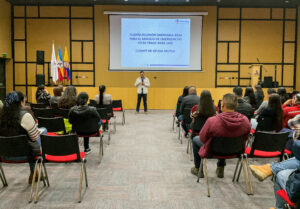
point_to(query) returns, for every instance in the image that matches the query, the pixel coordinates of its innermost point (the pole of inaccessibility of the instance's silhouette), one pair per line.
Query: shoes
(261, 172)
(195, 172)
(87, 151)
(220, 171)
(30, 179)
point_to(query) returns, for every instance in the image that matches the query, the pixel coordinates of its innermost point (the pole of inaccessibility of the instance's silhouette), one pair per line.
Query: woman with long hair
(179, 101)
(283, 95)
(271, 119)
(204, 110)
(68, 99)
(16, 121)
(42, 95)
(259, 95)
(250, 97)
(102, 98)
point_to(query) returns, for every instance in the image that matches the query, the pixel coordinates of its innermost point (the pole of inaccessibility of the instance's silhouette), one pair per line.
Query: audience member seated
(68, 99)
(264, 104)
(250, 97)
(57, 91)
(283, 95)
(15, 121)
(271, 119)
(226, 124)
(188, 102)
(102, 98)
(243, 107)
(204, 110)
(291, 108)
(42, 95)
(294, 124)
(1, 105)
(259, 95)
(83, 119)
(287, 176)
(179, 101)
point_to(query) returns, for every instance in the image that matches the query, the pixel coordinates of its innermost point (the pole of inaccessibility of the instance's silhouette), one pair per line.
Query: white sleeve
(147, 82)
(137, 82)
(28, 123)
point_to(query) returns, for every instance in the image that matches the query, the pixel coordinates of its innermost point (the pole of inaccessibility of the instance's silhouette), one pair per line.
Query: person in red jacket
(291, 108)
(226, 124)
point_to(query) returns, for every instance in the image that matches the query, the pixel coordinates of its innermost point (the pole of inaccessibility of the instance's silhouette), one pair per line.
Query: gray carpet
(145, 166)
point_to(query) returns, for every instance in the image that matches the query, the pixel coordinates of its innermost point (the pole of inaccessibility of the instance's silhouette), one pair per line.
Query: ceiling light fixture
(187, 0)
(156, 0)
(287, 1)
(125, 0)
(218, 0)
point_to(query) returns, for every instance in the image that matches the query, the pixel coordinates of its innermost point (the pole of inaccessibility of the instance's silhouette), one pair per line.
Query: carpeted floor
(144, 167)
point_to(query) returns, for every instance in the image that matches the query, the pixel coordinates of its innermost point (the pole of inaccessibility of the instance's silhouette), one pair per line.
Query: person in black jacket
(243, 107)
(179, 101)
(42, 95)
(250, 97)
(259, 95)
(85, 119)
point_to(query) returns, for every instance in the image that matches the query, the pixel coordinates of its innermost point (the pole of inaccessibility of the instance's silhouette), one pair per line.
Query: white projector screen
(155, 43)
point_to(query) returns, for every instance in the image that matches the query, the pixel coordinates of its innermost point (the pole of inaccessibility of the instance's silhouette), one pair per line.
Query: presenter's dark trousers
(139, 102)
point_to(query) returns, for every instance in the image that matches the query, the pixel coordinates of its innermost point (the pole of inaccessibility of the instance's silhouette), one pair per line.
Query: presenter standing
(142, 83)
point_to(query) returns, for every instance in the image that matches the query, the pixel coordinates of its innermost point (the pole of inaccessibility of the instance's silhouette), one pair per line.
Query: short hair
(230, 101)
(297, 97)
(192, 90)
(238, 91)
(271, 91)
(57, 90)
(82, 98)
(141, 71)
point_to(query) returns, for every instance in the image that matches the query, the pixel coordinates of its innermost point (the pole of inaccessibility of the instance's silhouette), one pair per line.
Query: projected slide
(150, 42)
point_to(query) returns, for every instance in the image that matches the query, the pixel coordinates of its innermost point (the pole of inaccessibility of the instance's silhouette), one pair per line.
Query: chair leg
(3, 178)
(33, 182)
(80, 184)
(173, 124)
(245, 174)
(123, 119)
(188, 146)
(46, 174)
(85, 174)
(100, 149)
(206, 176)
(38, 183)
(249, 175)
(200, 168)
(239, 173)
(236, 168)
(115, 124)
(191, 151)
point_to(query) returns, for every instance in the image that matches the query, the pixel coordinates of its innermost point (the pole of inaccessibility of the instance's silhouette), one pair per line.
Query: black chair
(93, 103)
(61, 149)
(110, 114)
(103, 112)
(265, 145)
(43, 112)
(117, 107)
(13, 147)
(227, 148)
(186, 120)
(52, 124)
(38, 105)
(59, 112)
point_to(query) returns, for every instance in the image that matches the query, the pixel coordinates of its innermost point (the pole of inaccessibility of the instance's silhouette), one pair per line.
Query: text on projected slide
(155, 42)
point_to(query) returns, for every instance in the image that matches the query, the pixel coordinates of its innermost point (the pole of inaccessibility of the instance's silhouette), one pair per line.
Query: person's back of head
(275, 105)
(229, 103)
(82, 99)
(68, 99)
(192, 90)
(238, 91)
(297, 98)
(206, 105)
(185, 91)
(101, 93)
(39, 90)
(250, 94)
(259, 90)
(57, 91)
(271, 91)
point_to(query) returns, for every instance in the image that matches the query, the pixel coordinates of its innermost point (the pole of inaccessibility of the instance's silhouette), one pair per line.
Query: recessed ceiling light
(125, 0)
(287, 1)
(187, 0)
(218, 0)
(156, 0)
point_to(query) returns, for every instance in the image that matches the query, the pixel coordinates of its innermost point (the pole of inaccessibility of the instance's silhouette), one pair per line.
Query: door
(2, 80)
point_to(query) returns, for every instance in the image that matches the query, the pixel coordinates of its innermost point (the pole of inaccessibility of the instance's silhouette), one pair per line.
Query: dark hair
(206, 105)
(21, 96)
(259, 91)
(141, 71)
(58, 90)
(250, 94)
(271, 91)
(238, 91)
(10, 115)
(275, 104)
(82, 98)
(68, 99)
(230, 101)
(283, 95)
(297, 98)
(101, 92)
(185, 91)
(38, 91)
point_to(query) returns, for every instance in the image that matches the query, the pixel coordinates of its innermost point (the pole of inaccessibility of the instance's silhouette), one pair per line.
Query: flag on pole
(60, 66)
(66, 65)
(54, 72)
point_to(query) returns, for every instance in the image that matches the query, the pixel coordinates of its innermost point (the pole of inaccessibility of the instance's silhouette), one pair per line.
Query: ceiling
(231, 3)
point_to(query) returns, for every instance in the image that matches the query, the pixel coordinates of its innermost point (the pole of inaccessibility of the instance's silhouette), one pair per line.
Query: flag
(54, 72)
(60, 66)
(66, 65)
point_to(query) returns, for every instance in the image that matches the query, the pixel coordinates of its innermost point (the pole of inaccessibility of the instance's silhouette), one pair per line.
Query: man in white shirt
(142, 83)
